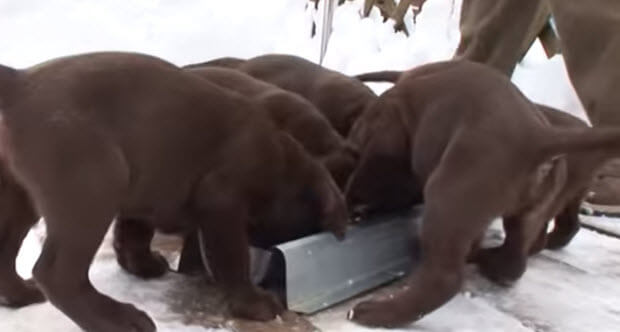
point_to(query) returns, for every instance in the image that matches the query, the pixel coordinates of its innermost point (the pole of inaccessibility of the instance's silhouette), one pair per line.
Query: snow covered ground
(574, 289)
(571, 290)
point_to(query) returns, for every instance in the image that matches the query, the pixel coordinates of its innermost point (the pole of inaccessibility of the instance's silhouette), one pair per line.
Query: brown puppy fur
(583, 167)
(480, 150)
(105, 134)
(289, 112)
(226, 62)
(293, 114)
(17, 215)
(339, 97)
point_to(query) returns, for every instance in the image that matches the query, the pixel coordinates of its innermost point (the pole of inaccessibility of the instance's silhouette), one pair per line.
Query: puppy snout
(359, 212)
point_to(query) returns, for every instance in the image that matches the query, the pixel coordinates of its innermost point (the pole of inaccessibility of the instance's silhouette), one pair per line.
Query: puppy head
(380, 184)
(343, 100)
(308, 199)
(313, 131)
(383, 180)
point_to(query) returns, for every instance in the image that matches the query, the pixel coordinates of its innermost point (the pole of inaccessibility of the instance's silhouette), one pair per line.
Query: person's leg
(499, 32)
(591, 47)
(590, 44)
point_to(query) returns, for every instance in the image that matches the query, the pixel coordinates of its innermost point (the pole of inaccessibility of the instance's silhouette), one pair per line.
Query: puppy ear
(341, 164)
(383, 179)
(386, 135)
(386, 145)
(333, 211)
(334, 214)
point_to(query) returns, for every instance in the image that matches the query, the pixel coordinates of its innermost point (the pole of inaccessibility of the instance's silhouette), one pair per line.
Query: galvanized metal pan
(318, 271)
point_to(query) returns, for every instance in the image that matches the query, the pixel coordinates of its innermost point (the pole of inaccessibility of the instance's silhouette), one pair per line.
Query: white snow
(574, 289)
(33, 31)
(605, 224)
(161, 298)
(571, 290)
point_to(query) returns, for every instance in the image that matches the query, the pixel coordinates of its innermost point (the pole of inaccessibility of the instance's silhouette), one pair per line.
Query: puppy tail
(380, 76)
(596, 140)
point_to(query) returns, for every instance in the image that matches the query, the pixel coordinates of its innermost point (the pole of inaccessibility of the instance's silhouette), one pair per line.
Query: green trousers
(499, 32)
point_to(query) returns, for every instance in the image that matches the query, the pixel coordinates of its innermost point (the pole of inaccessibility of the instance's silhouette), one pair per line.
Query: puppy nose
(359, 212)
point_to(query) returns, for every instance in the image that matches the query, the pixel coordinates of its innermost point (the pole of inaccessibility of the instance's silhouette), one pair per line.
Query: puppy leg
(525, 233)
(566, 226)
(224, 243)
(454, 217)
(191, 261)
(475, 249)
(78, 204)
(507, 263)
(132, 243)
(540, 242)
(16, 219)
(432, 284)
(62, 273)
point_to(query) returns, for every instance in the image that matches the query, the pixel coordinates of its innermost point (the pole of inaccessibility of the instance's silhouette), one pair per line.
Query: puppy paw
(500, 267)
(116, 316)
(136, 320)
(380, 314)
(21, 294)
(147, 266)
(558, 240)
(255, 304)
(93, 311)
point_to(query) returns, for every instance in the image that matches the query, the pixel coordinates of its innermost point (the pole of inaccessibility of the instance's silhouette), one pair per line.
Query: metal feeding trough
(318, 271)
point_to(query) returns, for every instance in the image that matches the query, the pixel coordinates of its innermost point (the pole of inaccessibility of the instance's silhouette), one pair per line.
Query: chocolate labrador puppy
(293, 114)
(581, 167)
(289, 112)
(477, 149)
(339, 97)
(94, 136)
